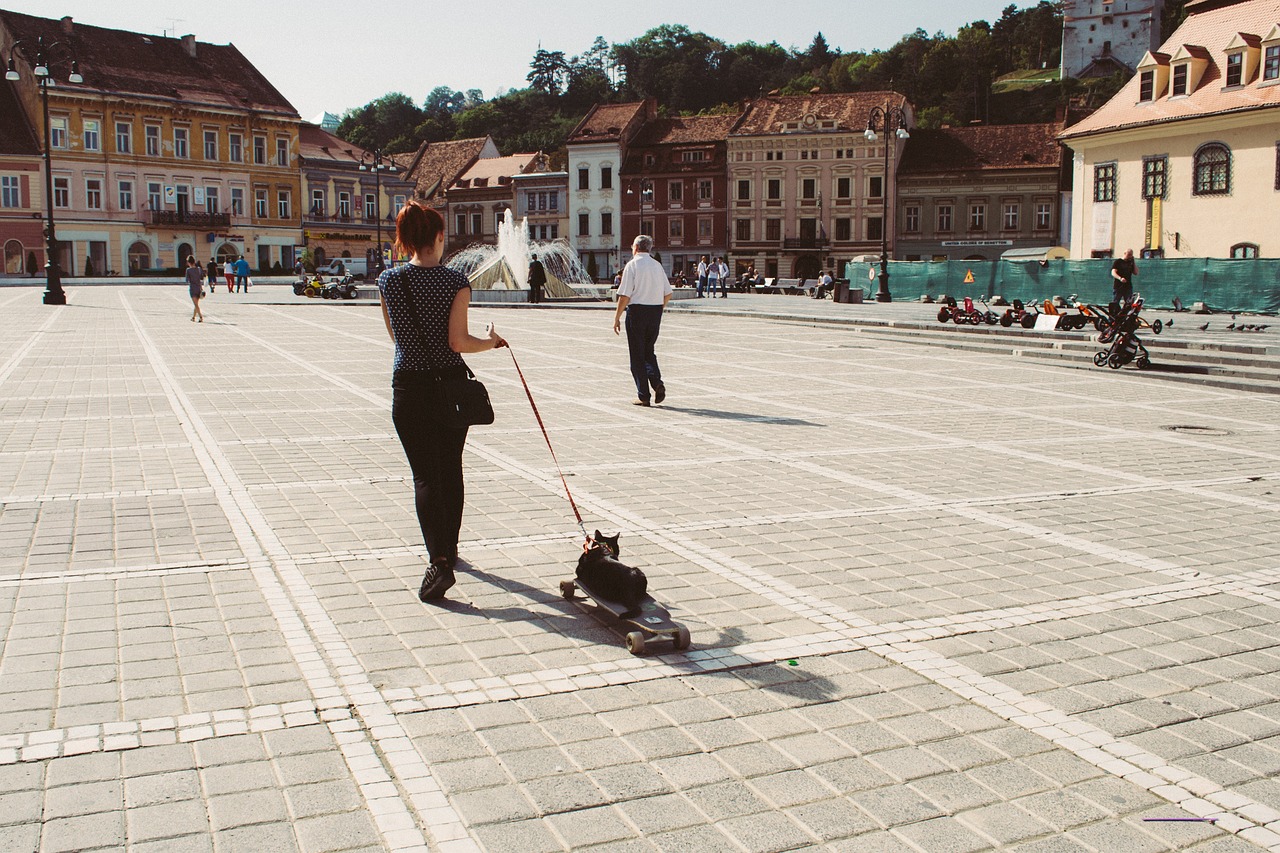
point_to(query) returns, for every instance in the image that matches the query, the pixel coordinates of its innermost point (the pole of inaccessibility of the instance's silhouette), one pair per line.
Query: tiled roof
(850, 111)
(16, 136)
(436, 165)
(491, 168)
(319, 146)
(1213, 24)
(606, 122)
(685, 129)
(956, 149)
(120, 62)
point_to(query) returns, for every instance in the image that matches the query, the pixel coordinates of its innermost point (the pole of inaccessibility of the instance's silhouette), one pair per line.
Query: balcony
(189, 219)
(805, 243)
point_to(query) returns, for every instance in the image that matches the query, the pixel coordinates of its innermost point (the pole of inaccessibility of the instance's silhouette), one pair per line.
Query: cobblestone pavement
(939, 601)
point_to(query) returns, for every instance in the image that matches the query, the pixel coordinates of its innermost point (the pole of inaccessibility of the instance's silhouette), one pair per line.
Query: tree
(387, 123)
(443, 101)
(548, 71)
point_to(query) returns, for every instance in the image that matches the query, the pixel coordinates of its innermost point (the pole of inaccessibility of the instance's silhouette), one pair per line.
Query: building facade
(807, 190)
(1105, 37)
(675, 188)
(21, 190)
(973, 193)
(597, 148)
(347, 209)
(1184, 161)
(170, 147)
(479, 199)
(541, 199)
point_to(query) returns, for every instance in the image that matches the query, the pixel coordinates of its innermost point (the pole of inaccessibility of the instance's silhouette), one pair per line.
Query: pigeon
(1245, 328)
(1261, 329)
(1233, 316)
(1169, 325)
(1232, 327)
(1205, 327)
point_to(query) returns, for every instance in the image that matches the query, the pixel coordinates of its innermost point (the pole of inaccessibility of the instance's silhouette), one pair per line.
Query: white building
(1104, 37)
(597, 147)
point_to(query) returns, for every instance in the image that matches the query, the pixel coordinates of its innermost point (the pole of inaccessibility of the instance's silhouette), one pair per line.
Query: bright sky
(337, 54)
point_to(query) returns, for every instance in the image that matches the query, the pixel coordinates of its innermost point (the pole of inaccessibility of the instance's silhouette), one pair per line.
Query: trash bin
(846, 294)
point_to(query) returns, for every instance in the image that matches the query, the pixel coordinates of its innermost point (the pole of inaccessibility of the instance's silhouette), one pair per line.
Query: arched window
(1244, 251)
(139, 257)
(185, 251)
(226, 253)
(1212, 170)
(318, 256)
(13, 257)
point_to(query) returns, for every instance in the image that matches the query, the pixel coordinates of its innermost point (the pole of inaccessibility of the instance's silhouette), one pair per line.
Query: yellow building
(1185, 160)
(169, 147)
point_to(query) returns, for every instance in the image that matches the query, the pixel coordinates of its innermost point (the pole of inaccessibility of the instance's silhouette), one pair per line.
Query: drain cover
(1197, 430)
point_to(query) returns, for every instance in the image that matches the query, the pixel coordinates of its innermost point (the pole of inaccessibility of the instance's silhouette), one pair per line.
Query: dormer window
(1147, 86)
(1235, 69)
(1181, 74)
(1271, 65)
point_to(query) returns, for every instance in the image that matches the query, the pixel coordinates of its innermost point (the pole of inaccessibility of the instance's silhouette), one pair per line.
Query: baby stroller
(1122, 333)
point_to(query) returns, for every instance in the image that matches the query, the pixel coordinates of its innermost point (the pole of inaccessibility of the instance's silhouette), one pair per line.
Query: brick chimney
(66, 25)
(189, 45)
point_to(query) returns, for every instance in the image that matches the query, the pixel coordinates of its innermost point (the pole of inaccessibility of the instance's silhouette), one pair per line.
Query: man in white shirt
(722, 275)
(702, 275)
(643, 294)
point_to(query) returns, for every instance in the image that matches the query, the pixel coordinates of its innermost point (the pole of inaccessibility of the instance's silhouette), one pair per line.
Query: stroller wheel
(1115, 361)
(1106, 336)
(1097, 324)
(1143, 362)
(1100, 358)
(1157, 326)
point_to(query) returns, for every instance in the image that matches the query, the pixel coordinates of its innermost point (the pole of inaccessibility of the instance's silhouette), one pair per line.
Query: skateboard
(649, 621)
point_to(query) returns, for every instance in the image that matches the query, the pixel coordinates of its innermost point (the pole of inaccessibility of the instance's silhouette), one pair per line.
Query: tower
(1103, 37)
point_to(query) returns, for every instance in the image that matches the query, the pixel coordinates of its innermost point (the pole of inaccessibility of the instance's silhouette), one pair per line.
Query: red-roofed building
(341, 217)
(978, 192)
(436, 165)
(597, 148)
(169, 147)
(807, 190)
(479, 197)
(1184, 161)
(674, 181)
(21, 189)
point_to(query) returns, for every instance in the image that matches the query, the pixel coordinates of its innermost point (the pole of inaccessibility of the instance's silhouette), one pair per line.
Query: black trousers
(643, 325)
(434, 452)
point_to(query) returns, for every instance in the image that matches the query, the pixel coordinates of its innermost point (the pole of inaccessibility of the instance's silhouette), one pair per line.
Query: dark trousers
(535, 293)
(242, 281)
(435, 457)
(643, 324)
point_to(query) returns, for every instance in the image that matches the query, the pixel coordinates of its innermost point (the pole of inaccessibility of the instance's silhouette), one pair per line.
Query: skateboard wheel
(635, 643)
(681, 640)
(567, 588)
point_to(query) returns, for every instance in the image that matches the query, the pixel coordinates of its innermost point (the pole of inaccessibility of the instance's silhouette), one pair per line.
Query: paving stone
(832, 819)
(591, 826)
(106, 829)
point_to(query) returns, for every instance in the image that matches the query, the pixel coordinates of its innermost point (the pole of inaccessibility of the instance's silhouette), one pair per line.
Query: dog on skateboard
(600, 570)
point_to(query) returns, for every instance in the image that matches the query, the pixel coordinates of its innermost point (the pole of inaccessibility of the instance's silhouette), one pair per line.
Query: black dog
(603, 573)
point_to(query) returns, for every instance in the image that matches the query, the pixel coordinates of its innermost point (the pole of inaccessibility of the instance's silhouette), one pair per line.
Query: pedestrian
(228, 270)
(643, 294)
(298, 268)
(1122, 273)
(702, 275)
(722, 275)
(212, 273)
(242, 275)
(195, 287)
(424, 304)
(537, 280)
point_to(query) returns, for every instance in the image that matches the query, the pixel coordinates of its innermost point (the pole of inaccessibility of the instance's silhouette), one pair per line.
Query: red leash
(547, 438)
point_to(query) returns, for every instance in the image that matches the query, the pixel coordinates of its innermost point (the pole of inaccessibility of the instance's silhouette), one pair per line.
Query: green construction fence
(1246, 286)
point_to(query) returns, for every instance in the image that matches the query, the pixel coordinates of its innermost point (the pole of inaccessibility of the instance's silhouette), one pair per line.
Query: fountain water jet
(506, 265)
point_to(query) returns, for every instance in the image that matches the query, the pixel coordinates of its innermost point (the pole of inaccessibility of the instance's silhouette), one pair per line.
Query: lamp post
(887, 120)
(377, 162)
(38, 54)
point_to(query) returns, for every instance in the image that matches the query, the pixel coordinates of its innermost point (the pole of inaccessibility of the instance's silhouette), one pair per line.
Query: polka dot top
(424, 344)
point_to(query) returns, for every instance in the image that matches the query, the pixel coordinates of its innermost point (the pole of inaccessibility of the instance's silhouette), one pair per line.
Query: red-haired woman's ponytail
(417, 228)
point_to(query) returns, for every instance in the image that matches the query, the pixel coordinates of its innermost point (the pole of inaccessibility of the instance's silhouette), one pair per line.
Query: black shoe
(659, 392)
(436, 581)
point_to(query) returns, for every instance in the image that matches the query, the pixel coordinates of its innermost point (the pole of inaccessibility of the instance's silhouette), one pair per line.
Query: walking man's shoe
(659, 392)
(639, 402)
(436, 581)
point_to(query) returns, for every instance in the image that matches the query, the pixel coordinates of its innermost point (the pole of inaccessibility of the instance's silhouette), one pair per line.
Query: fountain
(506, 265)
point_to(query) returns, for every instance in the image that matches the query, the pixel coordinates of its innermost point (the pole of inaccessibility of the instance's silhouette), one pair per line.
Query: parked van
(358, 267)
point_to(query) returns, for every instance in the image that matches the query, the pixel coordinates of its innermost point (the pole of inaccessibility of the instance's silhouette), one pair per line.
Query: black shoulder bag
(464, 401)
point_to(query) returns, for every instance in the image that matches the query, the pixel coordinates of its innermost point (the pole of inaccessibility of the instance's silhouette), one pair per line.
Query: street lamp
(377, 162)
(38, 55)
(893, 120)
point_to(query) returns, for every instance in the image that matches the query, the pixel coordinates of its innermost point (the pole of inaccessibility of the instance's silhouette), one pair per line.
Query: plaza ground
(940, 600)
